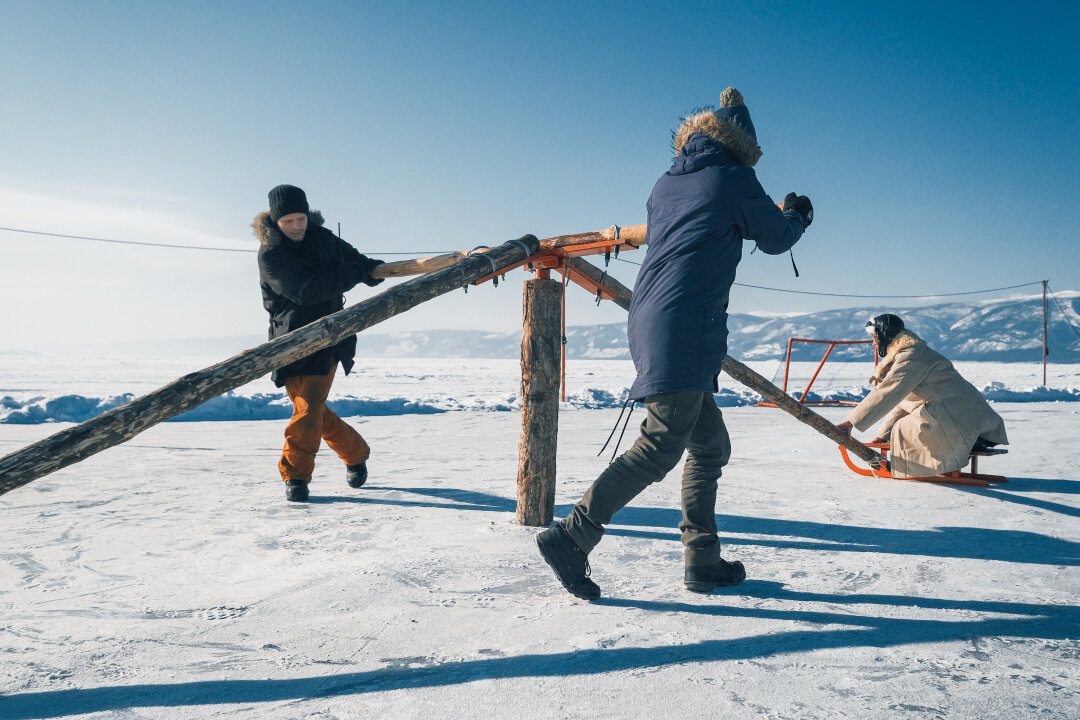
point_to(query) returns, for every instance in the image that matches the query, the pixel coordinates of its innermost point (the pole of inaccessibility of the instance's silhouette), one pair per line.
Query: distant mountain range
(1008, 330)
(1001, 330)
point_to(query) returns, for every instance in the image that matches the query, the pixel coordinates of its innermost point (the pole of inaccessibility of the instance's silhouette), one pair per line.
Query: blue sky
(936, 142)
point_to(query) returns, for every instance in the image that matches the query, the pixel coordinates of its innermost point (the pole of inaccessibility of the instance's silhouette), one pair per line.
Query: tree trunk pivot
(540, 344)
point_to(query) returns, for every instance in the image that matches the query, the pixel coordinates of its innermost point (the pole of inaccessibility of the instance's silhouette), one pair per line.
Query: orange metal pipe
(817, 372)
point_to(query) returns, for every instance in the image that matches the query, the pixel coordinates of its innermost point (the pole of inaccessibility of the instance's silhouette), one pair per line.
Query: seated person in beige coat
(933, 418)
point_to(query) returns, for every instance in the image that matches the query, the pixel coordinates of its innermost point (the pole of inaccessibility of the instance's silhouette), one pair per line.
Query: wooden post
(540, 343)
(123, 423)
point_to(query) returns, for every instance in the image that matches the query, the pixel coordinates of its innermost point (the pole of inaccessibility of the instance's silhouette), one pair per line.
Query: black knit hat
(286, 200)
(885, 328)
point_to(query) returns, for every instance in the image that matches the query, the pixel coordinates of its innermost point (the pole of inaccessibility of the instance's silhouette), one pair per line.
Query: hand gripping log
(748, 377)
(123, 423)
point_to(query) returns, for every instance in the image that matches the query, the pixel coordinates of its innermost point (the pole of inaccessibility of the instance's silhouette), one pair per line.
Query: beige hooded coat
(932, 415)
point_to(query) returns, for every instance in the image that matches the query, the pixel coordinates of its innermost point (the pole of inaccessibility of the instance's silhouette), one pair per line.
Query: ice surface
(168, 578)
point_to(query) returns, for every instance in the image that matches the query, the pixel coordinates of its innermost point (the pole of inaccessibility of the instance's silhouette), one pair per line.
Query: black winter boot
(296, 490)
(570, 564)
(356, 475)
(703, 578)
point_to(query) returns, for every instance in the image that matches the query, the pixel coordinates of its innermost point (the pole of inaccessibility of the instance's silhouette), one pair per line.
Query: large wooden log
(123, 423)
(800, 412)
(748, 377)
(540, 344)
(419, 266)
(622, 293)
(632, 235)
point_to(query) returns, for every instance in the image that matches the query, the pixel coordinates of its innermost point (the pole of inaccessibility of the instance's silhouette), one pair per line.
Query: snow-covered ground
(168, 578)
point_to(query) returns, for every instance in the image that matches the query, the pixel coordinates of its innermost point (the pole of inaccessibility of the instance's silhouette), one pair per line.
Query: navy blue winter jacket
(699, 212)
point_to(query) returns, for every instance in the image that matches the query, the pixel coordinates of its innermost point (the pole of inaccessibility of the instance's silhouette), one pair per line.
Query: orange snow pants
(313, 422)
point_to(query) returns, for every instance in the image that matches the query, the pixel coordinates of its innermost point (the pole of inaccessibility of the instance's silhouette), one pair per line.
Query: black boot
(703, 578)
(356, 475)
(570, 564)
(296, 490)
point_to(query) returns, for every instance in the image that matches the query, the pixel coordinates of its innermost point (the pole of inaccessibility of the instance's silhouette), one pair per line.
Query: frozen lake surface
(168, 578)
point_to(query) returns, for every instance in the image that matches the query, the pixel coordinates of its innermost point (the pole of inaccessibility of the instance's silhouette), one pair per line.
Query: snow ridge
(271, 406)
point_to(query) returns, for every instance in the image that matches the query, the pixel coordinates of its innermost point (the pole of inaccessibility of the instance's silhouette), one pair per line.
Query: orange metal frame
(555, 259)
(956, 477)
(787, 367)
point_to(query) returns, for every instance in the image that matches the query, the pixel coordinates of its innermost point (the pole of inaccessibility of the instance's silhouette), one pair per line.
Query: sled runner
(956, 477)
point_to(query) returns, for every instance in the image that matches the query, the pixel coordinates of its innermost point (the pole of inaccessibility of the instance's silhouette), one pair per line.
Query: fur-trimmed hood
(267, 230)
(730, 126)
(903, 341)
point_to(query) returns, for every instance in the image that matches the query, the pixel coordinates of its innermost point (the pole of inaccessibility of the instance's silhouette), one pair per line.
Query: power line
(894, 297)
(188, 247)
(127, 242)
(909, 297)
(439, 252)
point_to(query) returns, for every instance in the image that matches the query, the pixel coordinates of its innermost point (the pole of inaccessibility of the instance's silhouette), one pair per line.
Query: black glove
(371, 265)
(800, 204)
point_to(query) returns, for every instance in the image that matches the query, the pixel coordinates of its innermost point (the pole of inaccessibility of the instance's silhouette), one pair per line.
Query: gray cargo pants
(685, 420)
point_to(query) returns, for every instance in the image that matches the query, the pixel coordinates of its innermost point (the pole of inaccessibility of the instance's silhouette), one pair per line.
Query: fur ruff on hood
(267, 230)
(740, 144)
(903, 341)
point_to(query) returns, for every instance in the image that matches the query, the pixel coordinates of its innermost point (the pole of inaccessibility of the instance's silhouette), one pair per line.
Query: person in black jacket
(304, 271)
(700, 211)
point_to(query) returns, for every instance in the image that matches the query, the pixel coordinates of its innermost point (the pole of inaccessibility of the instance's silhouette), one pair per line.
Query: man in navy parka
(699, 212)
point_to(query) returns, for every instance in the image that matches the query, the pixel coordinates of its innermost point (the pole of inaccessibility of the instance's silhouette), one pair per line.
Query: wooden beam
(596, 275)
(633, 235)
(123, 423)
(746, 376)
(419, 266)
(800, 412)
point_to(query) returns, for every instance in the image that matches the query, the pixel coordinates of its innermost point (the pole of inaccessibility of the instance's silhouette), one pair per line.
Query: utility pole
(1046, 347)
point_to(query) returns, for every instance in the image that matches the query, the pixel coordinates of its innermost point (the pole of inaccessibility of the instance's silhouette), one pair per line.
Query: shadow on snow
(1043, 622)
(1019, 546)
(839, 629)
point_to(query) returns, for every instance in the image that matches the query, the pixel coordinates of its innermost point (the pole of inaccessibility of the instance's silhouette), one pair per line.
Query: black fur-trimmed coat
(304, 281)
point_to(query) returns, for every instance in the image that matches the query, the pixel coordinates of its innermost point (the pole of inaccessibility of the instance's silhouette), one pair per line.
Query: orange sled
(956, 477)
